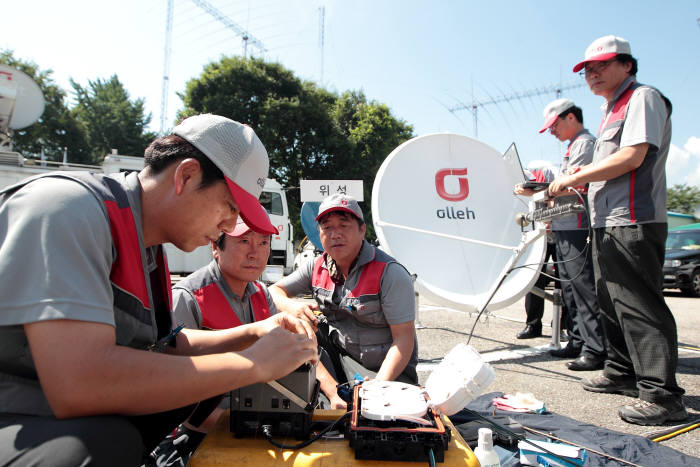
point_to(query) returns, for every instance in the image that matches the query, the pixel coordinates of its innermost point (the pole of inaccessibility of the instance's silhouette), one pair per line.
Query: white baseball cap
(553, 110)
(604, 48)
(340, 202)
(236, 150)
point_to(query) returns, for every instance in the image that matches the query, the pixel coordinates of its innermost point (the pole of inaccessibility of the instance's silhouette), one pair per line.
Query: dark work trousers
(575, 268)
(108, 440)
(640, 331)
(534, 304)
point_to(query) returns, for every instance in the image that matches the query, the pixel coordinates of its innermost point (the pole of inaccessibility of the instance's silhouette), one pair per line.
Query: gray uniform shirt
(56, 256)
(579, 153)
(647, 121)
(187, 310)
(397, 292)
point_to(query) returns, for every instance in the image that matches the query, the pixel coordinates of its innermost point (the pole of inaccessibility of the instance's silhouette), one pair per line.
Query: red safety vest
(217, 313)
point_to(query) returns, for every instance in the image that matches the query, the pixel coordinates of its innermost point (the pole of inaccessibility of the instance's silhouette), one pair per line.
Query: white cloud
(683, 164)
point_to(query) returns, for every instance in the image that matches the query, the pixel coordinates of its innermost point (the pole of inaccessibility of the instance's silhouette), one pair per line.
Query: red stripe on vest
(619, 110)
(368, 284)
(127, 271)
(259, 303)
(633, 217)
(218, 314)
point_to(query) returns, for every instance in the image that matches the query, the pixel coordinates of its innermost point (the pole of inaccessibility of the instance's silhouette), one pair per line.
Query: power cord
(267, 431)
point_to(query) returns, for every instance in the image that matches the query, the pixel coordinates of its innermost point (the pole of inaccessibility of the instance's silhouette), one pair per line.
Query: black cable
(584, 251)
(267, 431)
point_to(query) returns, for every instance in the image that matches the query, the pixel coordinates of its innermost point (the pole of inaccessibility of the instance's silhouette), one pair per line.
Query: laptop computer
(517, 173)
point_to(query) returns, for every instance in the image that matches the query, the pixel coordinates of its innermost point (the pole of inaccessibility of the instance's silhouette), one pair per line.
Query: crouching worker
(365, 296)
(223, 294)
(90, 372)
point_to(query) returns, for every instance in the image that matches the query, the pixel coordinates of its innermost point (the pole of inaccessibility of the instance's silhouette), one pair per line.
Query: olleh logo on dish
(450, 212)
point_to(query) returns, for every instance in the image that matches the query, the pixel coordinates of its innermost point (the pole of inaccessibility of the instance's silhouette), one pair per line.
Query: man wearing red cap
(574, 261)
(221, 295)
(627, 196)
(366, 297)
(91, 372)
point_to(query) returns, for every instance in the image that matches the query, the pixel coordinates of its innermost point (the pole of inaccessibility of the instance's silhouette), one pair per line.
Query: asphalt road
(547, 377)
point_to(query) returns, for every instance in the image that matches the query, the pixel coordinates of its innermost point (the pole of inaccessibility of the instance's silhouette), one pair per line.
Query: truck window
(272, 202)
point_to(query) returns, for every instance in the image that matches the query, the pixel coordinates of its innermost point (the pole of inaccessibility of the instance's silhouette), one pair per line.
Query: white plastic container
(460, 377)
(484, 450)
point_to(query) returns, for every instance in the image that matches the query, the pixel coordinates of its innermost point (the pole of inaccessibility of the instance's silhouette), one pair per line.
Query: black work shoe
(530, 332)
(567, 352)
(602, 384)
(652, 413)
(586, 363)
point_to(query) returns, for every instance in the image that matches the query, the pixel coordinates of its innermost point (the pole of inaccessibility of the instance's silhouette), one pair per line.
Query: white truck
(14, 168)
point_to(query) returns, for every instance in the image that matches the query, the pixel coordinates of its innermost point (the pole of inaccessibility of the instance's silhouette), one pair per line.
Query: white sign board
(318, 190)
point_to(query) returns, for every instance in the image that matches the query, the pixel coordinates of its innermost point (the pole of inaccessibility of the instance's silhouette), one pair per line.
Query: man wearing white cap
(90, 371)
(574, 261)
(366, 297)
(627, 196)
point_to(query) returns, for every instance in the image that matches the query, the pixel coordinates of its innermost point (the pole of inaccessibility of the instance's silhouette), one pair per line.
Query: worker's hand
(280, 352)
(560, 184)
(288, 322)
(306, 311)
(519, 190)
(338, 403)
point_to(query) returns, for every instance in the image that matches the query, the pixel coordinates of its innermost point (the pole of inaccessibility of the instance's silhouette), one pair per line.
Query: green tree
(683, 199)
(110, 119)
(309, 132)
(56, 129)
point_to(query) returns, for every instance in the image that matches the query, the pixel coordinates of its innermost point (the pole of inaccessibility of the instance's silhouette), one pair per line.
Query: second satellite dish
(21, 99)
(443, 206)
(309, 211)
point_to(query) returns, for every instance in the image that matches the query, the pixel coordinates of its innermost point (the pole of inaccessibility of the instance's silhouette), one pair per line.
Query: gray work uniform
(359, 322)
(575, 261)
(629, 220)
(187, 310)
(66, 273)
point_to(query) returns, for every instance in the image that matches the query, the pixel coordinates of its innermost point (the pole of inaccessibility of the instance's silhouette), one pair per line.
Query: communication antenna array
(556, 89)
(218, 15)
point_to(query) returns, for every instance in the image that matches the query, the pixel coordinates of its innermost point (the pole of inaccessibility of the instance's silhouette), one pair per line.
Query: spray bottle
(484, 450)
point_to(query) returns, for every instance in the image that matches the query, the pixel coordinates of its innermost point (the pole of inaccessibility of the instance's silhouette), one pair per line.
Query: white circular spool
(457, 246)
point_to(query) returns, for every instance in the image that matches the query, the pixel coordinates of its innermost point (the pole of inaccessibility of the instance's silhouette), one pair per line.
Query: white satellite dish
(21, 99)
(443, 206)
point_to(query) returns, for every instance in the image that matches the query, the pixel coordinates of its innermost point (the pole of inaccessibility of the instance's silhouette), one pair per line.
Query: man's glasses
(554, 125)
(595, 69)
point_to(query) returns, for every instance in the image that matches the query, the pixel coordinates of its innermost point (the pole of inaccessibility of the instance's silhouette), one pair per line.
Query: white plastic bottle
(484, 450)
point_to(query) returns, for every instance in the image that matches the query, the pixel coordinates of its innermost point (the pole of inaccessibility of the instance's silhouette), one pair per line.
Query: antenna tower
(321, 34)
(474, 106)
(218, 15)
(166, 66)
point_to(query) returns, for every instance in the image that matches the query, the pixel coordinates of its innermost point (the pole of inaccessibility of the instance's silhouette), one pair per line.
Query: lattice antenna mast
(556, 89)
(226, 21)
(166, 66)
(321, 34)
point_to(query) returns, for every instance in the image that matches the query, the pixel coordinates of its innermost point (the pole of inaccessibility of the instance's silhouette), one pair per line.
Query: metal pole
(556, 319)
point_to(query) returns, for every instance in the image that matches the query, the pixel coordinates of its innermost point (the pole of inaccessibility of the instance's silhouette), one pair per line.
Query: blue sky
(420, 58)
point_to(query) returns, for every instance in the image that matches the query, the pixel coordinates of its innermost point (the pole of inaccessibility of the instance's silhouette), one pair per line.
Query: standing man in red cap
(627, 196)
(366, 297)
(574, 260)
(90, 371)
